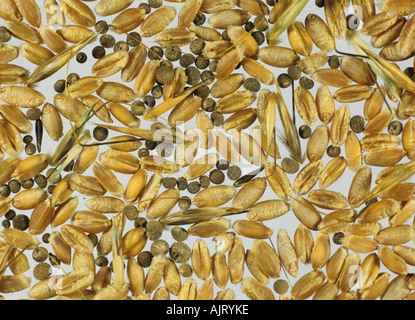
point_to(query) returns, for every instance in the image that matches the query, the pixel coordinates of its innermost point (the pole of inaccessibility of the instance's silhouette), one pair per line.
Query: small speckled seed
(154, 230)
(334, 62)
(21, 222)
(217, 118)
(186, 60)
(284, 80)
(180, 252)
(159, 247)
(14, 186)
(42, 271)
(193, 187)
(169, 182)
(204, 181)
(217, 176)
(33, 114)
(333, 152)
(5, 191)
(30, 149)
(186, 270)
(306, 83)
(304, 131)
(102, 27)
(337, 238)
(289, 165)
(294, 72)
(140, 222)
(107, 41)
(130, 212)
(280, 286)
(173, 53)
(144, 258)
(357, 124)
(81, 57)
(395, 127)
(100, 133)
(234, 173)
(179, 233)
(184, 203)
(98, 52)
(155, 53)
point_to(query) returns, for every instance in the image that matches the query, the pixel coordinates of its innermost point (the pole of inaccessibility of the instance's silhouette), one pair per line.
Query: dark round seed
(217, 118)
(180, 252)
(27, 139)
(59, 86)
(186, 60)
(208, 104)
(130, 212)
(200, 19)
(14, 186)
(10, 214)
(34, 114)
(101, 261)
(193, 187)
(234, 173)
(280, 286)
(155, 3)
(42, 271)
(184, 202)
(107, 41)
(51, 188)
(159, 247)
(169, 182)
(304, 131)
(138, 108)
(165, 74)
(150, 145)
(144, 258)
(121, 46)
(133, 39)
(213, 65)
(409, 72)
(186, 270)
(5, 35)
(6, 224)
(294, 72)
(333, 151)
(222, 164)
(50, 172)
(353, 22)
(5, 191)
(157, 92)
(395, 127)
(252, 84)
(21, 222)
(145, 6)
(181, 183)
(272, 2)
(98, 52)
(204, 181)
(306, 83)
(81, 57)
(201, 62)
(149, 101)
(39, 254)
(173, 53)
(27, 184)
(249, 25)
(289, 165)
(320, 3)
(193, 75)
(357, 124)
(155, 53)
(94, 238)
(140, 222)
(72, 78)
(143, 152)
(334, 62)
(217, 176)
(41, 180)
(337, 238)
(45, 237)
(284, 80)
(154, 230)
(100, 133)
(179, 233)
(225, 36)
(102, 27)
(203, 92)
(207, 76)
(258, 37)
(30, 149)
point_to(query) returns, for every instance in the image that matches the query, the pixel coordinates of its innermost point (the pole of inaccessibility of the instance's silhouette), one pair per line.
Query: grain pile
(167, 167)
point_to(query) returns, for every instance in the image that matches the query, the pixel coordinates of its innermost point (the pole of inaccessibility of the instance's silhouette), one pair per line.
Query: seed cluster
(206, 119)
